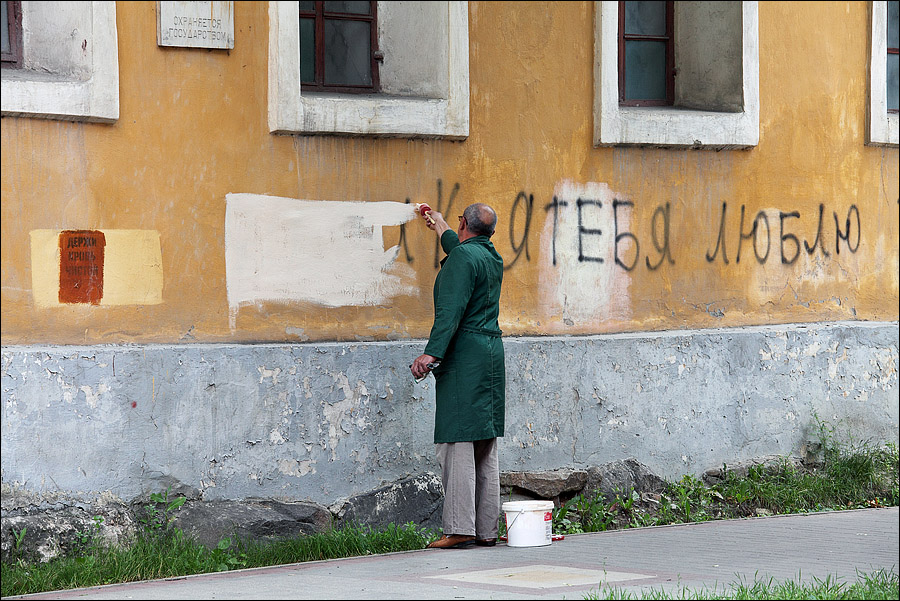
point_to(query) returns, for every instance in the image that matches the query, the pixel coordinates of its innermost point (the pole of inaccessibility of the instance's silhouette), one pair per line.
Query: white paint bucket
(528, 523)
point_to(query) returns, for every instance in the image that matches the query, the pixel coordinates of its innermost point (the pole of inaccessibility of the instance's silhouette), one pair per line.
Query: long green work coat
(471, 379)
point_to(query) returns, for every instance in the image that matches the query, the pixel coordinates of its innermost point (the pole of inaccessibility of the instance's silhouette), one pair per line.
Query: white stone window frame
(658, 126)
(883, 126)
(47, 96)
(291, 112)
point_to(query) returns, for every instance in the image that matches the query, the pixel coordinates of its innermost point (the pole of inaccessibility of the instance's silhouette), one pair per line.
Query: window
(12, 34)
(646, 53)
(69, 62)
(420, 86)
(338, 46)
(681, 74)
(883, 117)
(893, 55)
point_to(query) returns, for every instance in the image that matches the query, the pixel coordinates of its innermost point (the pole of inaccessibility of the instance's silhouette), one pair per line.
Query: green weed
(159, 513)
(880, 584)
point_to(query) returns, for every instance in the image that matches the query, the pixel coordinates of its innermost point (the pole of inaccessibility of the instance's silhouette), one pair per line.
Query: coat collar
(478, 240)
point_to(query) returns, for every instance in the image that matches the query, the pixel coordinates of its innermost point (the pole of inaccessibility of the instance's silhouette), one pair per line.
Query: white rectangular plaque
(195, 24)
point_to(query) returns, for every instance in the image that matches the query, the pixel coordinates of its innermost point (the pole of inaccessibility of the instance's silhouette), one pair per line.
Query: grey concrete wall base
(325, 422)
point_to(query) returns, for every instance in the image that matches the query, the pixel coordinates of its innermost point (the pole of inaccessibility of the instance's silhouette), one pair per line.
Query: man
(471, 377)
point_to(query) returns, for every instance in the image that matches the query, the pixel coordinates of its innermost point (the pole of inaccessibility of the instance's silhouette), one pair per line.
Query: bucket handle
(509, 526)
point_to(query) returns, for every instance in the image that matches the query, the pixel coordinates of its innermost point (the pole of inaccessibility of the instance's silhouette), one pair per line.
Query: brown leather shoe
(454, 541)
(485, 542)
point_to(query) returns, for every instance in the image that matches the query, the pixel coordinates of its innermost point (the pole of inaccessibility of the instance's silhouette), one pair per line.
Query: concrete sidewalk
(711, 554)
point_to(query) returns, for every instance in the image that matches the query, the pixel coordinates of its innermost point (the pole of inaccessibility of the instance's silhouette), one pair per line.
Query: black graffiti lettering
(846, 235)
(442, 210)
(555, 206)
(521, 220)
(665, 251)
(403, 242)
(583, 230)
(528, 203)
(742, 236)
(754, 234)
(782, 216)
(819, 242)
(765, 220)
(637, 246)
(720, 241)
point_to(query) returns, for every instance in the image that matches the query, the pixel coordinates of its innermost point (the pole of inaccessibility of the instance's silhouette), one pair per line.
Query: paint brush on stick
(422, 209)
(430, 367)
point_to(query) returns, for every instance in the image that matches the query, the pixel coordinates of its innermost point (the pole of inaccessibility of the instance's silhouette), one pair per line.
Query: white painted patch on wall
(329, 253)
(584, 284)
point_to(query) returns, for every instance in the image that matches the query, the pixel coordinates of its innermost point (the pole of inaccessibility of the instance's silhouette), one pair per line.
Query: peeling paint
(297, 469)
(269, 373)
(90, 396)
(349, 416)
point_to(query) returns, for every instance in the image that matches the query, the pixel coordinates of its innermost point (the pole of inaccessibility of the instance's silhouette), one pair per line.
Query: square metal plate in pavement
(542, 576)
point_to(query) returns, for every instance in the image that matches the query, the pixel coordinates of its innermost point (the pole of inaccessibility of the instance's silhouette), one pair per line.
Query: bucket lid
(527, 506)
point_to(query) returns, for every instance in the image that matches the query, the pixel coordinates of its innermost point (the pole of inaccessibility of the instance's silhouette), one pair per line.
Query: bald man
(470, 407)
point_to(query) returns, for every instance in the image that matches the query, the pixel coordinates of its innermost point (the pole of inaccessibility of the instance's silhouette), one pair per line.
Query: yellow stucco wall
(193, 130)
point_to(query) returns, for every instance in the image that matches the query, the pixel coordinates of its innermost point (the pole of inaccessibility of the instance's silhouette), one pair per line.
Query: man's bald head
(481, 219)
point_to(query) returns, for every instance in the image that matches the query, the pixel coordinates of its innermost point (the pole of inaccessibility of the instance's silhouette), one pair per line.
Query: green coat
(471, 379)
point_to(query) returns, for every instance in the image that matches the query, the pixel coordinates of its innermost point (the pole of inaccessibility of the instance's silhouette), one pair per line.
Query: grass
(850, 476)
(880, 584)
(168, 553)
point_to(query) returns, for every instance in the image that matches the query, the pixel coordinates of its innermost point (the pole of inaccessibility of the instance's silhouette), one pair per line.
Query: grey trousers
(470, 473)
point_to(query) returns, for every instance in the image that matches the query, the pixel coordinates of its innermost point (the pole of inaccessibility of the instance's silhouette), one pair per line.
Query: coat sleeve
(451, 297)
(449, 241)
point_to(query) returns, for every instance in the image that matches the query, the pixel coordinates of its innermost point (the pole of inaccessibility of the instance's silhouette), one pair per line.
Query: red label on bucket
(548, 516)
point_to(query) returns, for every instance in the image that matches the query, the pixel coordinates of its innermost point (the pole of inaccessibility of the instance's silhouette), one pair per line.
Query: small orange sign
(81, 266)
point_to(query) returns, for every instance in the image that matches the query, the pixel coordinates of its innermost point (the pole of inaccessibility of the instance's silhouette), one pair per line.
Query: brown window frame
(319, 15)
(669, 38)
(890, 50)
(13, 59)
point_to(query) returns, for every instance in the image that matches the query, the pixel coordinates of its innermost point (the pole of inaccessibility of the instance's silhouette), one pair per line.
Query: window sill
(373, 115)
(677, 127)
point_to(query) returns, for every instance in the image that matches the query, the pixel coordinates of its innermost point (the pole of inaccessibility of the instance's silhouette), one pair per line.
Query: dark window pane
(7, 48)
(645, 18)
(645, 70)
(893, 80)
(348, 56)
(893, 23)
(307, 6)
(357, 8)
(307, 50)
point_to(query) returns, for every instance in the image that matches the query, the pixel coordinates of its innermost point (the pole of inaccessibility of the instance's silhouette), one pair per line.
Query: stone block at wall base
(45, 535)
(418, 500)
(622, 478)
(545, 484)
(208, 522)
(39, 535)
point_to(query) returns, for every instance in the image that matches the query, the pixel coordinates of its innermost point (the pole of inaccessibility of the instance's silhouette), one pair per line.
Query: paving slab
(706, 555)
